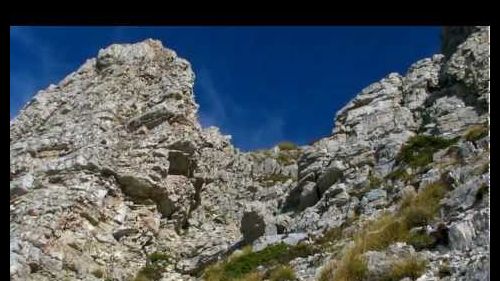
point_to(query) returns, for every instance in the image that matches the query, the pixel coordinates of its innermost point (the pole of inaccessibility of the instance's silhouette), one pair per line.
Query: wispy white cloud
(216, 113)
(272, 129)
(24, 81)
(47, 56)
(220, 110)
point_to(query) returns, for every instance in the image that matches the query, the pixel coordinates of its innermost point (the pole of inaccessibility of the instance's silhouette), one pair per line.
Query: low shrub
(351, 268)
(287, 145)
(252, 276)
(328, 271)
(421, 241)
(214, 272)
(387, 229)
(399, 174)
(374, 181)
(417, 216)
(282, 273)
(420, 209)
(411, 267)
(158, 256)
(150, 272)
(98, 273)
(418, 151)
(380, 233)
(246, 262)
(329, 236)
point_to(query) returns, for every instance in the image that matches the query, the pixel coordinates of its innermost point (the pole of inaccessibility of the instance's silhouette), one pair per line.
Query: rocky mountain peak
(113, 178)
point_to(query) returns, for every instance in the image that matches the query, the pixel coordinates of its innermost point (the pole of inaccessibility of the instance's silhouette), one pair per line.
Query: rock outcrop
(113, 178)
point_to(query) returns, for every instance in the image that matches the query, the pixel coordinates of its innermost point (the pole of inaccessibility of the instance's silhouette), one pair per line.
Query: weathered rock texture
(111, 166)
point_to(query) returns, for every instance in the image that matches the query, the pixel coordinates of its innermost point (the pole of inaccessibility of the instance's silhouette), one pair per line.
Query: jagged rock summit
(113, 178)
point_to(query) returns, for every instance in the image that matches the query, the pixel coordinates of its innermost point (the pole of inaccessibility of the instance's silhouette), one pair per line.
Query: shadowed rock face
(111, 166)
(452, 36)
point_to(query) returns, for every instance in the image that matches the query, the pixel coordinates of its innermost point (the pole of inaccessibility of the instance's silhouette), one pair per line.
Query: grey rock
(327, 179)
(374, 195)
(471, 231)
(465, 195)
(111, 165)
(268, 240)
(379, 263)
(308, 196)
(256, 222)
(179, 163)
(152, 118)
(453, 36)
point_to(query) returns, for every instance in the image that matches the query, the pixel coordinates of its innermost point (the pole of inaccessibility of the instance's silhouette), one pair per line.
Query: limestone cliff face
(111, 168)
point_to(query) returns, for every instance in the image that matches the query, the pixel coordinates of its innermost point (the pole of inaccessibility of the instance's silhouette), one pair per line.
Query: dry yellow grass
(388, 228)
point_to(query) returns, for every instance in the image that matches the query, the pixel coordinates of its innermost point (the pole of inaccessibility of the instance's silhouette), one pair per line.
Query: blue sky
(261, 85)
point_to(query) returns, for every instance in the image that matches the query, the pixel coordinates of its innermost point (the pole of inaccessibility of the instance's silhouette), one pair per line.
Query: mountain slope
(113, 178)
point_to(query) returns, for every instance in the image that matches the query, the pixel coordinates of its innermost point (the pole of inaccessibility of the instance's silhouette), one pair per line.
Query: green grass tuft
(411, 267)
(246, 262)
(421, 241)
(416, 210)
(374, 181)
(151, 272)
(98, 273)
(351, 268)
(476, 132)
(399, 174)
(282, 273)
(287, 145)
(329, 236)
(158, 256)
(418, 151)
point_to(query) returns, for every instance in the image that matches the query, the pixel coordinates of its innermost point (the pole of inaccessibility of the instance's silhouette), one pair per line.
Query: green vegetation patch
(399, 174)
(287, 145)
(330, 236)
(282, 273)
(98, 273)
(285, 159)
(421, 241)
(150, 272)
(158, 256)
(351, 268)
(374, 181)
(416, 210)
(247, 262)
(420, 209)
(418, 151)
(411, 267)
(154, 269)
